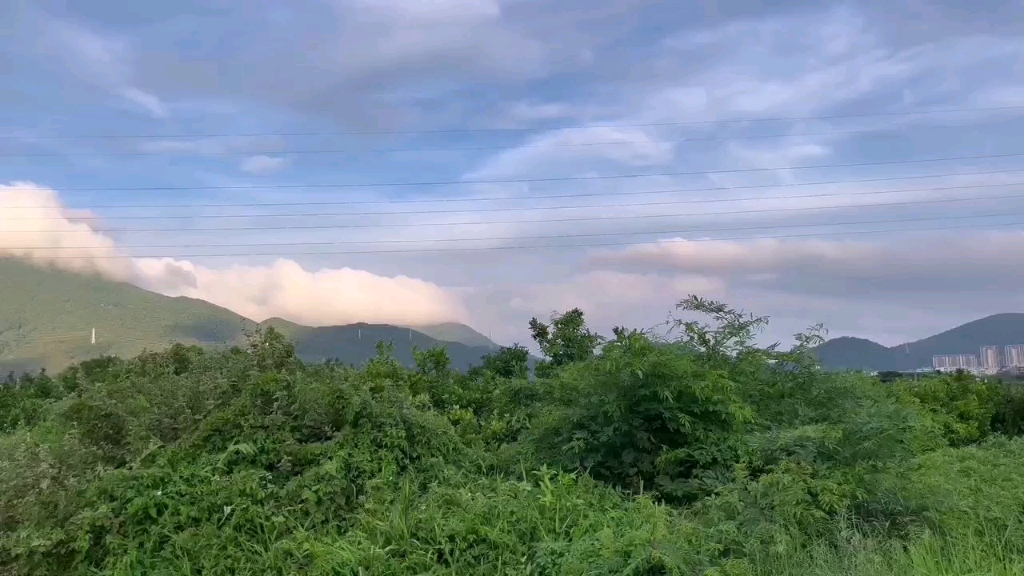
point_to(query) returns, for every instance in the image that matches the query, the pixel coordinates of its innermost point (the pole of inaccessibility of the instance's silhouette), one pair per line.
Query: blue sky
(224, 104)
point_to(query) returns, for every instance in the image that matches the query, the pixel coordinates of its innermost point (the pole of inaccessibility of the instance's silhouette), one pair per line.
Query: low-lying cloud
(37, 227)
(324, 297)
(920, 263)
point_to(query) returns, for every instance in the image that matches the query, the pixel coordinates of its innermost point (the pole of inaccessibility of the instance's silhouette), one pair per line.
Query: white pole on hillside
(359, 333)
(93, 335)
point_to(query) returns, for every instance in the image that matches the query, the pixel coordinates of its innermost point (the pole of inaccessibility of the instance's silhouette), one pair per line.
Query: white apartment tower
(968, 361)
(942, 363)
(1013, 355)
(951, 362)
(990, 359)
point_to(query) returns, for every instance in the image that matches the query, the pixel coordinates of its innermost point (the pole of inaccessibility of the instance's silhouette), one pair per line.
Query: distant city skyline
(990, 359)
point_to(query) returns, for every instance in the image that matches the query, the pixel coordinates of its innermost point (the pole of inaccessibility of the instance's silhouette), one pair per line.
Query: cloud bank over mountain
(35, 226)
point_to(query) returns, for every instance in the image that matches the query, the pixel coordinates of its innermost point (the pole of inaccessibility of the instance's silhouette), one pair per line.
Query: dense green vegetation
(700, 454)
(47, 317)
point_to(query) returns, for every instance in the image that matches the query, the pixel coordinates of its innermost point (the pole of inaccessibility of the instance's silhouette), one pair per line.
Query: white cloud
(87, 53)
(410, 34)
(211, 146)
(608, 298)
(105, 60)
(812, 63)
(416, 12)
(533, 111)
(318, 298)
(598, 291)
(907, 262)
(262, 164)
(36, 227)
(147, 101)
(1012, 95)
(631, 147)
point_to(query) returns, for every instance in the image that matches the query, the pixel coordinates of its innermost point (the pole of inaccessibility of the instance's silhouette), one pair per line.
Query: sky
(853, 164)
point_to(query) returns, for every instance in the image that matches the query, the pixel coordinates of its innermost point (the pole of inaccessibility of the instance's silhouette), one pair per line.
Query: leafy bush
(1009, 417)
(698, 453)
(962, 405)
(642, 416)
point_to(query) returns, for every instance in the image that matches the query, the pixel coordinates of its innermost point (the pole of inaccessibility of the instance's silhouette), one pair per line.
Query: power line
(572, 195)
(585, 206)
(518, 247)
(208, 153)
(531, 221)
(537, 180)
(543, 237)
(532, 129)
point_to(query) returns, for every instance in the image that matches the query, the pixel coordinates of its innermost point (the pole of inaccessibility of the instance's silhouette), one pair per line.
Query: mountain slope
(455, 332)
(47, 317)
(847, 353)
(355, 343)
(998, 329)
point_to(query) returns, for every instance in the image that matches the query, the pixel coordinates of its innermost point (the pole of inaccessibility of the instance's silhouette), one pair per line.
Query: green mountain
(858, 353)
(455, 332)
(47, 318)
(356, 343)
(847, 353)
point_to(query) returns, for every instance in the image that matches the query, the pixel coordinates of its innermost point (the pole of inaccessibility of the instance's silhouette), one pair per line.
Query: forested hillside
(700, 455)
(48, 318)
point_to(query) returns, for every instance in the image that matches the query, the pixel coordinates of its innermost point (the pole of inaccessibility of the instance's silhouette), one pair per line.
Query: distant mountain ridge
(356, 343)
(47, 317)
(848, 353)
(455, 332)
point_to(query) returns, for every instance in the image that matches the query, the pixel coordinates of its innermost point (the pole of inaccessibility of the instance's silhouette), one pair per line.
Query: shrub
(962, 405)
(703, 454)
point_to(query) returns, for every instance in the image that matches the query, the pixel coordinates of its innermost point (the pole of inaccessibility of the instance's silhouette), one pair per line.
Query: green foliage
(511, 362)
(24, 400)
(700, 455)
(565, 341)
(963, 405)
(643, 416)
(1009, 417)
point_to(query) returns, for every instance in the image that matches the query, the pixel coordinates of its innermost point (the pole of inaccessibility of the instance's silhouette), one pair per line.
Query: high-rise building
(950, 362)
(1013, 355)
(942, 362)
(990, 358)
(968, 361)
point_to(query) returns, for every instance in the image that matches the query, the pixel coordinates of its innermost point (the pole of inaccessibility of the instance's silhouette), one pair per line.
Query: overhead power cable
(574, 195)
(327, 151)
(514, 247)
(531, 221)
(889, 114)
(542, 237)
(538, 180)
